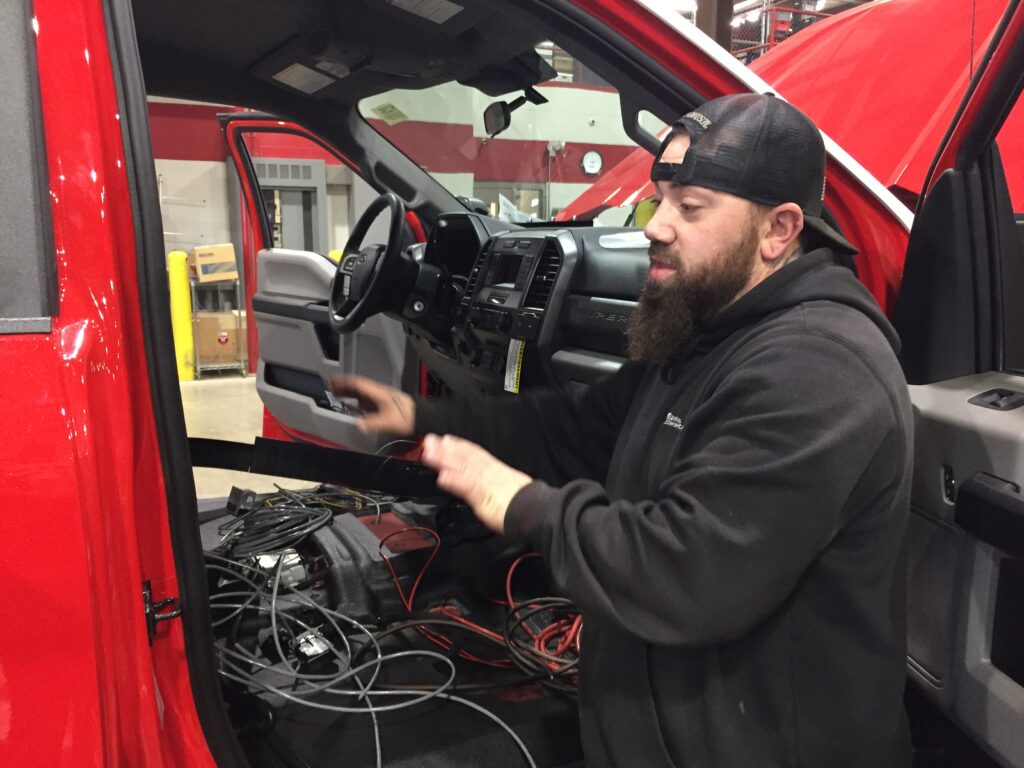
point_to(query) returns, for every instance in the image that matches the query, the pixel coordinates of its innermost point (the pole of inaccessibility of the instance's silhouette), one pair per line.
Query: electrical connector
(311, 649)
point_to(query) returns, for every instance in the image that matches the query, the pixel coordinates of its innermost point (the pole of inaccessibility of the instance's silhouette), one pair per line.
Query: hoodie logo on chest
(671, 420)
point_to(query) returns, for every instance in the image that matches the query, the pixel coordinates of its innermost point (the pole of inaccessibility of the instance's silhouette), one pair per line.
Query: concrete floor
(227, 408)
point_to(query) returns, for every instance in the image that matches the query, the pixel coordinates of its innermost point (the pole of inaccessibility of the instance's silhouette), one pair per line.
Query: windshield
(546, 160)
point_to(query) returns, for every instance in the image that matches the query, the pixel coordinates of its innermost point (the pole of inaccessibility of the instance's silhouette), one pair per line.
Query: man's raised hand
(466, 470)
(385, 409)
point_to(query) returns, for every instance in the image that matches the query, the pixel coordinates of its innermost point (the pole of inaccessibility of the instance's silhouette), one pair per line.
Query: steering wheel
(359, 283)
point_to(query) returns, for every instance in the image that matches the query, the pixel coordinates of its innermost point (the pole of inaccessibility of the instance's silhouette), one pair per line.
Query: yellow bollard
(181, 314)
(334, 255)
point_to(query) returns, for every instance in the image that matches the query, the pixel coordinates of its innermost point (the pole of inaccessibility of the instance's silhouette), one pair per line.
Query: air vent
(544, 277)
(474, 278)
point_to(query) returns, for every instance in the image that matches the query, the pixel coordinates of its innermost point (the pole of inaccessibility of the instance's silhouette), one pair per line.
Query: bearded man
(729, 509)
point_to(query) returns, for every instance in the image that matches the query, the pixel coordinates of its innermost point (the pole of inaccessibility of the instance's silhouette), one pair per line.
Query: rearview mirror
(497, 117)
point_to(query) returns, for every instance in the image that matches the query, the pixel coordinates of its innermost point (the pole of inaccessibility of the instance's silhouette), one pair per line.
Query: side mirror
(474, 204)
(497, 117)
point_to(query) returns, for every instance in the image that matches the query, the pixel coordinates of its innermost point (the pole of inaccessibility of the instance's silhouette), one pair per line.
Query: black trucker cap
(759, 148)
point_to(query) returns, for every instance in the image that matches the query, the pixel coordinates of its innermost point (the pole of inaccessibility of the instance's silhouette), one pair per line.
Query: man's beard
(670, 311)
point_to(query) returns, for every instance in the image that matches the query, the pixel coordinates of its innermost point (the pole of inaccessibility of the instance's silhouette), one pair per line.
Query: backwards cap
(759, 148)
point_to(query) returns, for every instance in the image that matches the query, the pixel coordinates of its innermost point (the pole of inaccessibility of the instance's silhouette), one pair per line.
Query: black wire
(525, 679)
(271, 529)
(287, 519)
(412, 624)
(525, 655)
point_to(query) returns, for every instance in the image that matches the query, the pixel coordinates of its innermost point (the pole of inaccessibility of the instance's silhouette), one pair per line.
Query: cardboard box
(210, 263)
(218, 337)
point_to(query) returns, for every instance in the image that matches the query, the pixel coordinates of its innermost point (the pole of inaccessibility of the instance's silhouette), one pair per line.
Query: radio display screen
(504, 269)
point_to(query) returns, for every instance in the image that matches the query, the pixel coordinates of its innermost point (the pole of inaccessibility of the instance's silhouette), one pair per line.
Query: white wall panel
(194, 202)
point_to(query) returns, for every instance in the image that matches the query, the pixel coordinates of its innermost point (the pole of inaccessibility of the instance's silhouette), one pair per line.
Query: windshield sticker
(303, 78)
(437, 11)
(389, 113)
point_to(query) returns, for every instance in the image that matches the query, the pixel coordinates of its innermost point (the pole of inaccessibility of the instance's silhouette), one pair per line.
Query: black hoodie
(731, 524)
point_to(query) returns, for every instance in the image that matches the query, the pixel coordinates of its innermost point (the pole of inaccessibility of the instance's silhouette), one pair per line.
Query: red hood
(887, 78)
(882, 80)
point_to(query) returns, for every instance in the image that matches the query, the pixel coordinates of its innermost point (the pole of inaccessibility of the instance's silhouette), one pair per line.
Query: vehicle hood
(883, 80)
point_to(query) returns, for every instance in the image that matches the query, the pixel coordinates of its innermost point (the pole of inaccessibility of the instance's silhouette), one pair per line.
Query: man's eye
(687, 207)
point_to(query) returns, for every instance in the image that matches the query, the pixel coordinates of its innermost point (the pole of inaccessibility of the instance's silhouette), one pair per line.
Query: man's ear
(780, 229)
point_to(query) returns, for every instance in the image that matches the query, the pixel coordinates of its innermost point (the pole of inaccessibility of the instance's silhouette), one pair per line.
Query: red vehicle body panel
(85, 518)
(1011, 133)
(888, 80)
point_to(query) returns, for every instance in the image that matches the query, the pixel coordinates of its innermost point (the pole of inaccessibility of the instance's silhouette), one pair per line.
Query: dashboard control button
(525, 326)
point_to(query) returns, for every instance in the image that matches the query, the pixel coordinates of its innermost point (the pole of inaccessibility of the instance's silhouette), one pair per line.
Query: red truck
(108, 656)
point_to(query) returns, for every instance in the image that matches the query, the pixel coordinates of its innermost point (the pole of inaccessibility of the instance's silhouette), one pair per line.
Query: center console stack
(511, 288)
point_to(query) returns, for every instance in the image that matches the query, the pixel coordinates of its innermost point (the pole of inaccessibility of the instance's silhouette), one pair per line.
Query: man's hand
(385, 409)
(471, 473)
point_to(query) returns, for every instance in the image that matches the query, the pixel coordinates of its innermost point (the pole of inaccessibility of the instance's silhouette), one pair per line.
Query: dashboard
(533, 305)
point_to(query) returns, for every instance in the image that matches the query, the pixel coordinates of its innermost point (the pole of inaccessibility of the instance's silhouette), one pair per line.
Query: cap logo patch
(699, 119)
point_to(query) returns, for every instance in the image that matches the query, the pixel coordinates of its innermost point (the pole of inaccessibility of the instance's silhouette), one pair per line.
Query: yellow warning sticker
(514, 365)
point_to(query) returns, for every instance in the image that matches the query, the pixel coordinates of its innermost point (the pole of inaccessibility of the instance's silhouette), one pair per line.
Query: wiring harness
(278, 636)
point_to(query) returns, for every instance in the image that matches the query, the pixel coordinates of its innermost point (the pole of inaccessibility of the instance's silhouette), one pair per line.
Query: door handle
(992, 510)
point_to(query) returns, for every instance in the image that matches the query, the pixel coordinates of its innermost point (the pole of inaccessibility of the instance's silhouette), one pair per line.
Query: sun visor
(525, 70)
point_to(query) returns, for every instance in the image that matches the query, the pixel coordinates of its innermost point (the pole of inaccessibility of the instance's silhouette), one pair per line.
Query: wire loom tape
(303, 461)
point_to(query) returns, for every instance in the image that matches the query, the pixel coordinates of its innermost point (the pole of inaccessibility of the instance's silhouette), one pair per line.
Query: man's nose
(656, 228)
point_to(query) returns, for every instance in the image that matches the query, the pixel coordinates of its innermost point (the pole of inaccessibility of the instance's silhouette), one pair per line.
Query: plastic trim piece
(303, 461)
(29, 259)
(296, 309)
(992, 510)
(999, 399)
(11, 325)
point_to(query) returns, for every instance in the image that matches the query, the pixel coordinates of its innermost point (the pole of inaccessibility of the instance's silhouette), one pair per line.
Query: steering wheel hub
(360, 282)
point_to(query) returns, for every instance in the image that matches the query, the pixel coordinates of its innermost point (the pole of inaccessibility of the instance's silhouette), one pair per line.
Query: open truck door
(289, 255)
(961, 318)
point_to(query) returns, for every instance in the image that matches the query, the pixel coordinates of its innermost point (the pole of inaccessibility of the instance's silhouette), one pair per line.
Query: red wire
(566, 631)
(450, 613)
(447, 643)
(434, 637)
(512, 570)
(508, 587)
(419, 577)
